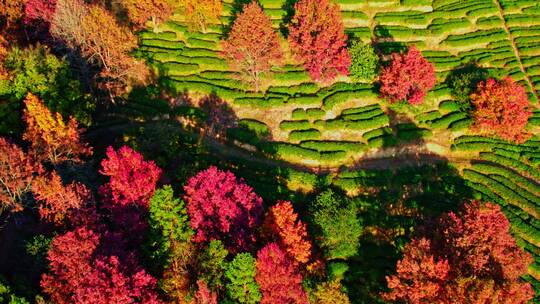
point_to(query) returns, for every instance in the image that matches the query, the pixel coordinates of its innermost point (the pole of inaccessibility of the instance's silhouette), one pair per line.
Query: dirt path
(516, 50)
(378, 160)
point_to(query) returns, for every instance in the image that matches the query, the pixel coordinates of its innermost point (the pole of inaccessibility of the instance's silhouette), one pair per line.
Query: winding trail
(516, 50)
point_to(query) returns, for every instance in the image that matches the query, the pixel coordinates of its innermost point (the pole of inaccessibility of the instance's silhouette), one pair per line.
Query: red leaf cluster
(408, 77)
(469, 258)
(39, 11)
(222, 207)
(80, 274)
(132, 179)
(278, 277)
(290, 233)
(17, 171)
(317, 38)
(252, 47)
(56, 200)
(501, 108)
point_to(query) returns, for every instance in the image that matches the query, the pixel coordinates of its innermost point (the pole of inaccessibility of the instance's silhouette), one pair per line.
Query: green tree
(464, 81)
(212, 265)
(364, 62)
(335, 221)
(168, 223)
(35, 70)
(240, 276)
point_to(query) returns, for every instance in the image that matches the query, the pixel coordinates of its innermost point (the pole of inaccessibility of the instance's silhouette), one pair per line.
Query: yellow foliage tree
(52, 139)
(200, 13)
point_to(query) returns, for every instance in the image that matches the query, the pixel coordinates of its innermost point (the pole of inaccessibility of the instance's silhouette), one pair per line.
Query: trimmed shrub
(300, 135)
(290, 125)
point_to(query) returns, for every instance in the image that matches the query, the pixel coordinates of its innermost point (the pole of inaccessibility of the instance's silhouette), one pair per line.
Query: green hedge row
(376, 133)
(508, 195)
(301, 135)
(519, 166)
(428, 116)
(364, 109)
(445, 121)
(289, 151)
(364, 115)
(413, 134)
(518, 179)
(336, 98)
(311, 114)
(356, 125)
(327, 146)
(290, 125)
(260, 128)
(460, 125)
(383, 141)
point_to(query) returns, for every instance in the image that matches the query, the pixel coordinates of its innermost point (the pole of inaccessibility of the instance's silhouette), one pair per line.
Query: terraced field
(304, 123)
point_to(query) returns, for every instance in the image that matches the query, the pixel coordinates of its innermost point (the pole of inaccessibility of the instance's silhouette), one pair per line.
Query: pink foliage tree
(408, 77)
(132, 179)
(318, 39)
(222, 207)
(80, 273)
(278, 277)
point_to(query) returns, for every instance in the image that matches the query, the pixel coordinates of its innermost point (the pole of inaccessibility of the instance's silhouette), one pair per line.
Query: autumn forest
(270, 151)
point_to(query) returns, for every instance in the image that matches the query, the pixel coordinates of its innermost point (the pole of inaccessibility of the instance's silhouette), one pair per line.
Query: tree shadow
(236, 8)
(219, 116)
(288, 7)
(384, 43)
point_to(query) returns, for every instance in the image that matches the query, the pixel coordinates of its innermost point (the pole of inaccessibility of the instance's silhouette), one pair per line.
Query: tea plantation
(325, 128)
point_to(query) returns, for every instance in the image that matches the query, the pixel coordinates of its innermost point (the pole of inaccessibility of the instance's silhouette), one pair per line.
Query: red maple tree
(51, 137)
(501, 108)
(222, 207)
(17, 171)
(132, 179)
(470, 257)
(80, 273)
(317, 38)
(57, 200)
(252, 47)
(408, 77)
(278, 277)
(290, 233)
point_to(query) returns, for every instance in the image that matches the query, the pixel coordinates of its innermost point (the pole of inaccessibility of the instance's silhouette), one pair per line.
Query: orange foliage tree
(57, 200)
(52, 139)
(252, 47)
(199, 13)
(290, 233)
(101, 40)
(140, 11)
(17, 171)
(470, 257)
(501, 108)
